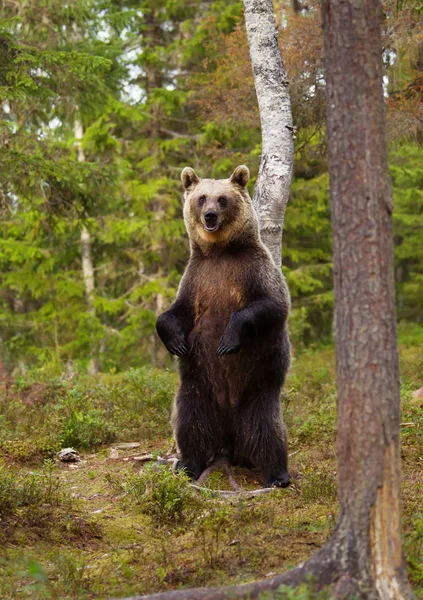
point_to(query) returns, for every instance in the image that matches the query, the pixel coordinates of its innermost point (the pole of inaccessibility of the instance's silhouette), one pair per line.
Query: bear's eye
(223, 202)
(201, 200)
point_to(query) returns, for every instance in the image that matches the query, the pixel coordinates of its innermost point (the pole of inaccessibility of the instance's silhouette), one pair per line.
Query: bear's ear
(189, 178)
(240, 176)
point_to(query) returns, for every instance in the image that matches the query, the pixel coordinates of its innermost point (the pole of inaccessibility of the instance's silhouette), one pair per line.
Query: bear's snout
(210, 220)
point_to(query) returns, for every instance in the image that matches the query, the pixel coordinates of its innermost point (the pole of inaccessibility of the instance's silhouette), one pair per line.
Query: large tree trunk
(363, 558)
(87, 262)
(366, 345)
(271, 193)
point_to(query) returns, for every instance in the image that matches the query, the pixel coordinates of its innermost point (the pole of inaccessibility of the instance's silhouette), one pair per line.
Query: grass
(39, 418)
(35, 506)
(101, 528)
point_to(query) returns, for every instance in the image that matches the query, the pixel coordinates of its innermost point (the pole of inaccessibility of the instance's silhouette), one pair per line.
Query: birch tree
(86, 256)
(274, 180)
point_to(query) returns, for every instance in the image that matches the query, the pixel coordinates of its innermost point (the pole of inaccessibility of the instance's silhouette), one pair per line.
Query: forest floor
(101, 529)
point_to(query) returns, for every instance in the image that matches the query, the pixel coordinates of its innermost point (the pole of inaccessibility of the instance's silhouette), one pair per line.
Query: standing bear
(228, 326)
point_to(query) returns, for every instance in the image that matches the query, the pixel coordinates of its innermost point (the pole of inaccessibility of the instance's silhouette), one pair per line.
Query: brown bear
(228, 326)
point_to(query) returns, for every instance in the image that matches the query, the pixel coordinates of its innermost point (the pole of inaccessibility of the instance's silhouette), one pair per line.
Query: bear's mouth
(210, 229)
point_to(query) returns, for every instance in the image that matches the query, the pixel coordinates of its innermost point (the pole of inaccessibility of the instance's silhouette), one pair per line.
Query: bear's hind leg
(261, 435)
(197, 428)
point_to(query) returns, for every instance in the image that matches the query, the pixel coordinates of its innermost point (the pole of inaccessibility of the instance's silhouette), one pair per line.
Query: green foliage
(407, 179)
(307, 257)
(212, 526)
(27, 491)
(40, 446)
(303, 592)
(86, 429)
(314, 379)
(414, 550)
(147, 82)
(38, 419)
(151, 531)
(160, 492)
(37, 503)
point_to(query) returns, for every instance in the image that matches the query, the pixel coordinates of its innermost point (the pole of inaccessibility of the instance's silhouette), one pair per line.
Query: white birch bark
(271, 193)
(86, 253)
(3, 372)
(87, 267)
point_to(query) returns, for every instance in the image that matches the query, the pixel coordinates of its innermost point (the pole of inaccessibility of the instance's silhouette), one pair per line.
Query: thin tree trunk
(87, 261)
(19, 308)
(271, 193)
(3, 371)
(363, 558)
(154, 80)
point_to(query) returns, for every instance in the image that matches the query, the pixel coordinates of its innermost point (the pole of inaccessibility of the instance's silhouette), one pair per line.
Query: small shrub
(211, 527)
(148, 394)
(38, 417)
(158, 491)
(36, 504)
(82, 424)
(162, 492)
(70, 573)
(29, 496)
(414, 551)
(31, 450)
(86, 430)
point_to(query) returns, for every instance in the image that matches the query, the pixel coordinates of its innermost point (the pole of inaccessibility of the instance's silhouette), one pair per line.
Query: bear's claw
(282, 481)
(180, 350)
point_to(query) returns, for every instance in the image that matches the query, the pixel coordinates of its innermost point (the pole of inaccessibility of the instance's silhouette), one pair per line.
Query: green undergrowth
(108, 527)
(37, 418)
(36, 506)
(304, 592)
(158, 491)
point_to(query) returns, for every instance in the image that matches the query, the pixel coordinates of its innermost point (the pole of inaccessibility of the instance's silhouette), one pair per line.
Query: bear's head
(218, 211)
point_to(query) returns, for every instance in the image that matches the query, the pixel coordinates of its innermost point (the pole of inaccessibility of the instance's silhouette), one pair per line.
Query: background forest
(102, 103)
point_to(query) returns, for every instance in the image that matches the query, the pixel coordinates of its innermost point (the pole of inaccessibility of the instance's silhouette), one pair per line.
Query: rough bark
(363, 558)
(271, 193)
(366, 346)
(87, 261)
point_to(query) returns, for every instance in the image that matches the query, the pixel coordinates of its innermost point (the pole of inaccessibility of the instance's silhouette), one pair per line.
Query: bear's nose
(210, 218)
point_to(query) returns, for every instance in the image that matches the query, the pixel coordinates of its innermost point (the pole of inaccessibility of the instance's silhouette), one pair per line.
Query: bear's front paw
(178, 346)
(172, 334)
(229, 344)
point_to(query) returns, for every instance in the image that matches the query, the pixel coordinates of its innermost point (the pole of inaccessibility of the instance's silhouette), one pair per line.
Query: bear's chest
(219, 291)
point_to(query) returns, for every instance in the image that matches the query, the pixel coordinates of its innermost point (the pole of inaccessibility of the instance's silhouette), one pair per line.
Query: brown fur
(228, 324)
(240, 222)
